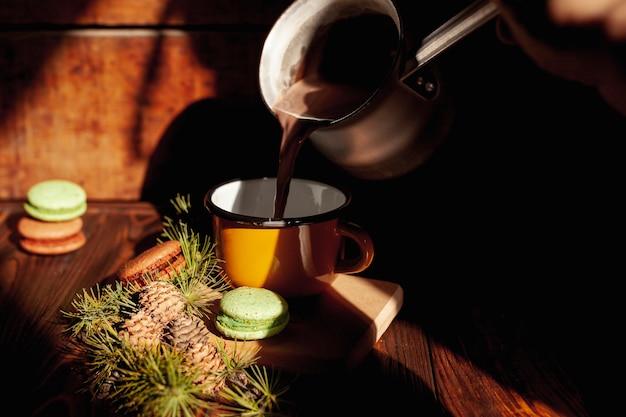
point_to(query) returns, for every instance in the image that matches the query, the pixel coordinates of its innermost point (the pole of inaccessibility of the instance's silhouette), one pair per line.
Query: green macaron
(56, 200)
(248, 313)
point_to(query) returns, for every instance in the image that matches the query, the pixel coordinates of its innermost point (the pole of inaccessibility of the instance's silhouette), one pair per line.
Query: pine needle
(155, 384)
(156, 380)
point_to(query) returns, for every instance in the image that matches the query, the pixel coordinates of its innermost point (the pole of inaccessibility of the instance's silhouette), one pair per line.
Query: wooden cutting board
(334, 330)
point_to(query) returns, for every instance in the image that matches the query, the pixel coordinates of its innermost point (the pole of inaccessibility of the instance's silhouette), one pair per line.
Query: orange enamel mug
(297, 255)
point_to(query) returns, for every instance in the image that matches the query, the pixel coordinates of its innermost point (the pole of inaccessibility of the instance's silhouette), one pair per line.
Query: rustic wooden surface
(449, 361)
(330, 332)
(88, 88)
(510, 278)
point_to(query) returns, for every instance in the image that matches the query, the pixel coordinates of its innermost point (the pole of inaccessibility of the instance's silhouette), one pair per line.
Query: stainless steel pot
(399, 125)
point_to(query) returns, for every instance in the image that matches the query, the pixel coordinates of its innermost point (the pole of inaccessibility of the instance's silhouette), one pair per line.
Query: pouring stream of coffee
(345, 64)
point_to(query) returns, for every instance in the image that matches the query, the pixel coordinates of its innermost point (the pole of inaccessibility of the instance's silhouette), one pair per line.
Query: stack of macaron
(52, 224)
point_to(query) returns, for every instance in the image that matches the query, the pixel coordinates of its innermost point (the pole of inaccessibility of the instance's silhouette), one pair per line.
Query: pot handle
(458, 27)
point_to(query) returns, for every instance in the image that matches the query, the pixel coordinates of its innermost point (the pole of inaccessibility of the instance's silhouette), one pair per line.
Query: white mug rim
(218, 209)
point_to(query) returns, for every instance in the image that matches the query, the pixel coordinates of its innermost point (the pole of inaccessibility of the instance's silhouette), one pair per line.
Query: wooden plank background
(87, 87)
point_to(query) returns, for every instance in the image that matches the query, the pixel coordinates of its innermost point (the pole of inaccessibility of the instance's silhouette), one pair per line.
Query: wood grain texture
(33, 290)
(87, 88)
(140, 12)
(331, 332)
(445, 361)
(91, 106)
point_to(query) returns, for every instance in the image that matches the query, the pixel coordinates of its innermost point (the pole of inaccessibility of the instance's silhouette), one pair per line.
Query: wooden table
(452, 360)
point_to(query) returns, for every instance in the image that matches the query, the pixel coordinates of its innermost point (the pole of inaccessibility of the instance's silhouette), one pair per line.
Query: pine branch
(157, 379)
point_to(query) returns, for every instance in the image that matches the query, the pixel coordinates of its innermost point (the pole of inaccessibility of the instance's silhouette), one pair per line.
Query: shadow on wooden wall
(87, 88)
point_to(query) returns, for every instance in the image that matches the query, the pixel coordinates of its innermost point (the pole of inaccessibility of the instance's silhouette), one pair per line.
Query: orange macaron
(162, 261)
(50, 238)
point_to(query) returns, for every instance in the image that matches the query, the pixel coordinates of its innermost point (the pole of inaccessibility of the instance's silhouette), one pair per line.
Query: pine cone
(162, 301)
(141, 330)
(189, 334)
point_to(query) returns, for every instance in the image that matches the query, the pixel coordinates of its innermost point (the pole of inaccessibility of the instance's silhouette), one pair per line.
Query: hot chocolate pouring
(326, 88)
(332, 73)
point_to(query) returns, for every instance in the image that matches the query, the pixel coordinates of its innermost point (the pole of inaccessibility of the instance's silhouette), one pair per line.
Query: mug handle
(363, 241)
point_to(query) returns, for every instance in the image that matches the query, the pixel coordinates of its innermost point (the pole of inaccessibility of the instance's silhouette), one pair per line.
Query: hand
(607, 14)
(579, 40)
